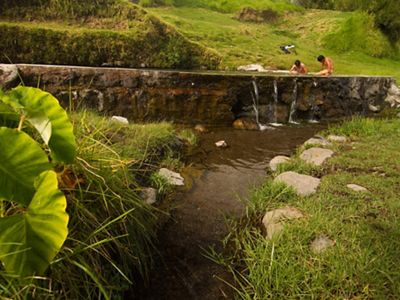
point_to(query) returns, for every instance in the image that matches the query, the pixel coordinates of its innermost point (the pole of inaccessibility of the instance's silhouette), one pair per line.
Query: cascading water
(294, 103)
(274, 106)
(314, 107)
(256, 100)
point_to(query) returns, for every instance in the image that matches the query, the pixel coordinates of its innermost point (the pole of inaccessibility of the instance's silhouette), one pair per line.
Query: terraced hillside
(95, 33)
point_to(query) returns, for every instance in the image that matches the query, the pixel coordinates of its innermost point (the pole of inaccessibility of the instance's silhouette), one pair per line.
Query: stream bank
(220, 178)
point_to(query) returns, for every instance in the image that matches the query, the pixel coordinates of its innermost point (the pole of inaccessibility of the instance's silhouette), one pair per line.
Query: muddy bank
(220, 178)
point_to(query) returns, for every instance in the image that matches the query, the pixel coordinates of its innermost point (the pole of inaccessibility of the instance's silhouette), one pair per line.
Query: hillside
(95, 33)
(355, 45)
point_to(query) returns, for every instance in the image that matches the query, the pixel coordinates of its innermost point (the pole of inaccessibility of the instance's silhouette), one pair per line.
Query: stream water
(219, 177)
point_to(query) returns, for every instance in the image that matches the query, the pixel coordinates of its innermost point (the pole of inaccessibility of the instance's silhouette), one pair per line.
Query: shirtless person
(298, 68)
(326, 66)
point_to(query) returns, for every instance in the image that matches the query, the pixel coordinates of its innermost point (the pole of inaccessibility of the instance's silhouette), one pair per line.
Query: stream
(219, 179)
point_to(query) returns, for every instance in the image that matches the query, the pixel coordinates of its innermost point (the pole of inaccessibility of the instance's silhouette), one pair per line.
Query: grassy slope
(363, 263)
(245, 43)
(118, 33)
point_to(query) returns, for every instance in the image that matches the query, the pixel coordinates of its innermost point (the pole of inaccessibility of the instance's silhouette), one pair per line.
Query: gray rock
(149, 195)
(317, 141)
(316, 156)
(274, 220)
(320, 244)
(252, 67)
(357, 188)
(374, 108)
(173, 178)
(393, 96)
(337, 138)
(277, 160)
(8, 76)
(120, 119)
(304, 185)
(221, 144)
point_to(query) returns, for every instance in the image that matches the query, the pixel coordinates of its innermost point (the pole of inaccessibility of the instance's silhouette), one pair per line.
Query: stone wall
(210, 98)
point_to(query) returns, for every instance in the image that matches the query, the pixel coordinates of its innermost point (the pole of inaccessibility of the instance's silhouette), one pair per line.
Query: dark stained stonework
(207, 98)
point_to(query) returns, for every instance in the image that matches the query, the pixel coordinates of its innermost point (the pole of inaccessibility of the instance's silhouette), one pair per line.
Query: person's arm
(305, 69)
(293, 69)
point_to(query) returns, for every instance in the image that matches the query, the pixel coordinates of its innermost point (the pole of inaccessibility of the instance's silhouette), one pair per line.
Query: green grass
(363, 263)
(244, 43)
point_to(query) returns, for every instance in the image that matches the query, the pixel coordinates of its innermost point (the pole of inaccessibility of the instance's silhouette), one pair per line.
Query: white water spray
(256, 100)
(275, 106)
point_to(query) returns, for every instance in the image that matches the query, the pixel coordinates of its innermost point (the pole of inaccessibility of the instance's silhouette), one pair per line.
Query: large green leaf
(37, 105)
(30, 241)
(21, 161)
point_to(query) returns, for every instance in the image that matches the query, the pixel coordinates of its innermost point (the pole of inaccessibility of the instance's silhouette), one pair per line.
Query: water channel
(220, 178)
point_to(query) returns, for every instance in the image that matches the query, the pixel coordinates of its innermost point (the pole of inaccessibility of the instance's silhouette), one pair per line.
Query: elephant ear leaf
(44, 112)
(30, 241)
(21, 161)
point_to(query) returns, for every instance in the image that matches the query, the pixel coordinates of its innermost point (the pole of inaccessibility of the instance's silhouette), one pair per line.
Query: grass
(111, 229)
(363, 263)
(245, 43)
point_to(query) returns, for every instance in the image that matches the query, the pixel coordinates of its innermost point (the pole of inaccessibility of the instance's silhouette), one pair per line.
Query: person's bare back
(326, 66)
(298, 68)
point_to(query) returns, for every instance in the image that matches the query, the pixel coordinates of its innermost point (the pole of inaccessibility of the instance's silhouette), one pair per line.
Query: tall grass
(111, 229)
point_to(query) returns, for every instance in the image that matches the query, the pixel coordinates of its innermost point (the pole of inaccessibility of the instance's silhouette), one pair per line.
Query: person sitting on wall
(298, 68)
(326, 66)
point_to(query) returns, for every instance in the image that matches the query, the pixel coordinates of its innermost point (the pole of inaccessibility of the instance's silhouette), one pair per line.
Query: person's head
(297, 63)
(321, 58)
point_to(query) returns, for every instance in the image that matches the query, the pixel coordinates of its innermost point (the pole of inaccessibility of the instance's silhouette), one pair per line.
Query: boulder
(320, 244)
(149, 195)
(274, 220)
(304, 185)
(316, 156)
(120, 119)
(357, 188)
(374, 108)
(277, 160)
(173, 178)
(337, 138)
(245, 123)
(8, 76)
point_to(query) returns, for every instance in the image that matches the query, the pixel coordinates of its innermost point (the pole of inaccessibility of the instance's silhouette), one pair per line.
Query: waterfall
(256, 101)
(274, 106)
(294, 102)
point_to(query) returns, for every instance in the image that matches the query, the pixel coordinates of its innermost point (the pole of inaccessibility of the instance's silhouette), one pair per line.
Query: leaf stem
(21, 122)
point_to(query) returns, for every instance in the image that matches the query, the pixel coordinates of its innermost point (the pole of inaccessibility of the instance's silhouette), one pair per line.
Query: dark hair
(320, 58)
(297, 63)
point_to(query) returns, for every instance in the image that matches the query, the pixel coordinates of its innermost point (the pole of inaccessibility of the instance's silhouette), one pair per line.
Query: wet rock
(120, 119)
(8, 76)
(221, 144)
(252, 67)
(92, 98)
(357, 188)
(337, 138)
(149, 195)
(172, 177)
(318, 141)
(316, 156)
(320, 244)
(245, 123)
(304, 185)
(274, 220)
(249, 14)
(277, 160)
(200, 128)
